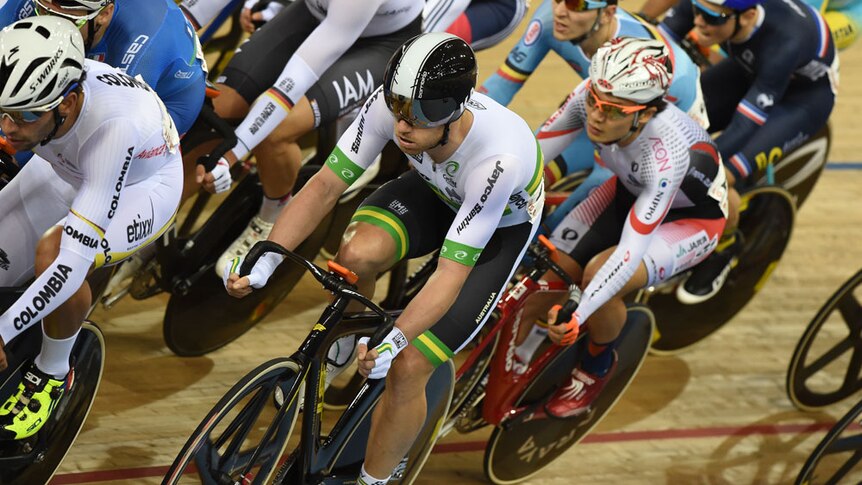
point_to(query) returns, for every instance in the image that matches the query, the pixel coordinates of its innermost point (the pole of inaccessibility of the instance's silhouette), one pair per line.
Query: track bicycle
(525, 439)
(244, 437)
(836, 458)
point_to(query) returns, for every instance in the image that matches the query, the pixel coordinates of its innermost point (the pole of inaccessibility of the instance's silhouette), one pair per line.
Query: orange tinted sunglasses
(613, 111)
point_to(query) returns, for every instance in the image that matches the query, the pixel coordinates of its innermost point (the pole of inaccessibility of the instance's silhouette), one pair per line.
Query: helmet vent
(41, 30)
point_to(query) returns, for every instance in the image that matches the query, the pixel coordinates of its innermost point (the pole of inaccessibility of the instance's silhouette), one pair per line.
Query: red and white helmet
(635, 69)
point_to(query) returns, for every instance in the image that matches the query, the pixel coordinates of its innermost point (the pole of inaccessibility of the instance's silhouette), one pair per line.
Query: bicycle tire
(801, 394)
(259, 384)
(833, 443)
(66, 423)
(510, 456)
(766, 220)
(799, 171)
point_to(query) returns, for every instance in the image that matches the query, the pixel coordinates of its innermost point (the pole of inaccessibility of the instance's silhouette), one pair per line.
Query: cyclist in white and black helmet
(106, 181)
(476, 194)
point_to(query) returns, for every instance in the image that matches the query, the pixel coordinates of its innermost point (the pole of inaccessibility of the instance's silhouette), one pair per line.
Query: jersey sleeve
(770, 84)
(663, 180)
(106, 157)
(487, 193)
(558, 132)
(363, 141)
(344, 23)
(521, 62)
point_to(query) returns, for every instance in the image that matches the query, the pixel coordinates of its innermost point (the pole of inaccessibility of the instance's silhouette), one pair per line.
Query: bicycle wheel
(836, 457)
(766, 221)
(42, 455)
(222, 446)
(799, 171)
(826, 366)
(523, 446)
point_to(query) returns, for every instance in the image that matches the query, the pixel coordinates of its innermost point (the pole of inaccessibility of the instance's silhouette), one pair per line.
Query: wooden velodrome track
(716, 414)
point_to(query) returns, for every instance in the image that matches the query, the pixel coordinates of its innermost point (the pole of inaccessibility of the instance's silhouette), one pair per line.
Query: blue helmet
(738, 5)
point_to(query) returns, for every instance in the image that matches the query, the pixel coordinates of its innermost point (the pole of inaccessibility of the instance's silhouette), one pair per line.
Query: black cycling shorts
(344, 86)
(418, 221)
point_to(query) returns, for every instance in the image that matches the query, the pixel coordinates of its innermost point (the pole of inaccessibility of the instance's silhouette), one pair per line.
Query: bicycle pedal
(109, 301)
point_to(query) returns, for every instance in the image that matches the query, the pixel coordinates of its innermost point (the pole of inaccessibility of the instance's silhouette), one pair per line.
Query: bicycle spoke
(851, 378)
(828, 357)
(851, 311)
(839, 474)
(239, 430)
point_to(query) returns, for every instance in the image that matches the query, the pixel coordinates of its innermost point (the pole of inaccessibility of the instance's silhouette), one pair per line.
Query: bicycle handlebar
(330, 281)
(221, 127)
(572, 302)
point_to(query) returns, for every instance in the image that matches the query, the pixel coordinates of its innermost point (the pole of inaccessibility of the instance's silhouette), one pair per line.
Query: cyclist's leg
(401, 412)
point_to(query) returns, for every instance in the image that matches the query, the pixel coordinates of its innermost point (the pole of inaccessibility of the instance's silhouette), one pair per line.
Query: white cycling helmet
(40, 57)
(85, 6)
(638, 70)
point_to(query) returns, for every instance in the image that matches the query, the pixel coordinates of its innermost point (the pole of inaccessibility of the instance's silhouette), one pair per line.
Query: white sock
(340, 354)
(529, 346)
(366, 479)
(54, 358)
(270, 208)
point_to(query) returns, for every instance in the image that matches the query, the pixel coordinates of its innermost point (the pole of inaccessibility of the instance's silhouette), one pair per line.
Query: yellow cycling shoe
(26, 411)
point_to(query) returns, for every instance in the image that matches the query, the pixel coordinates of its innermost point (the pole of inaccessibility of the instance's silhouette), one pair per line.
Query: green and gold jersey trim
(432, 348)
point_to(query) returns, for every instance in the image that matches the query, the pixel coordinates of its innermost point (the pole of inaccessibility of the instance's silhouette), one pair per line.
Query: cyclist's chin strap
(93, 28)
(633, 130)
(595, 28)
(445, 138)
(58, 122)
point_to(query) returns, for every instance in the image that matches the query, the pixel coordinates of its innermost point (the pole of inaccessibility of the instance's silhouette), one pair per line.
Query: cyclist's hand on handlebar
(240, 286)
(217, 181)
(565, 333)
(256, 13)
(375, 363)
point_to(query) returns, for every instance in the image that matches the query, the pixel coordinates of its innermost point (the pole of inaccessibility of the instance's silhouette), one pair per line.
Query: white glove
(221, 174)
(394, 342)
(260, 273)
(272, 9)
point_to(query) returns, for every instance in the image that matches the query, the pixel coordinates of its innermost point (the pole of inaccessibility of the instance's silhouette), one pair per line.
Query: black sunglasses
(709, 16)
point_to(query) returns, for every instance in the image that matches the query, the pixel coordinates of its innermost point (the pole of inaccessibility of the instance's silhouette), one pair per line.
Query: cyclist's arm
(105, 174)
(656, 8)
(521, 62)
(644, 218)
(472, 228)
(558, 132)
(354, 152)
(773, 77)
(344, 23)
(438, 15)
(202, 12)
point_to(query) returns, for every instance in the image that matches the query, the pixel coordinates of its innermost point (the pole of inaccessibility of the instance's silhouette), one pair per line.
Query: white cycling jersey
(116, 178)
(342, 22)
(661, 168)
(494, 178)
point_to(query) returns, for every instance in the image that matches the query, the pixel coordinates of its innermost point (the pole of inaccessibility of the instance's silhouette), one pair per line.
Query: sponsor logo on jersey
(449, 172)
(115, 199)
(696, 174)
(83, 239)
(662, 157)
(764, 100)
(569, 235)
(476, 105)
(610, 275)
(466, 222)
(43, 298)
(534, 31)
(354, 147)
(132, 51)
(349, 94)
(121, 79)
(488, 303)
(184, 74)
(261, 119)
(492, 180)
(286, 85)
(653, 205)
(518, 201)
(141, 228)
(153, 152)
(397, 207)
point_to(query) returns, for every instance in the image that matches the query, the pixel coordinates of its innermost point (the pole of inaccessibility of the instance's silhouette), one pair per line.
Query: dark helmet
(429, 79)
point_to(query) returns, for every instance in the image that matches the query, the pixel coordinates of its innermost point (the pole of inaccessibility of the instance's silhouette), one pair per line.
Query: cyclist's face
(570, 24)
(22, 134)
(607, 124)
(414, 140)
(706, 18)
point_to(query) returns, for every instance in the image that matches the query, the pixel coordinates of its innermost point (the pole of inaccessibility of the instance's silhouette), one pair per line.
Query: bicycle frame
(505, 387)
